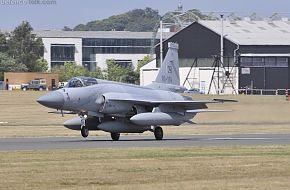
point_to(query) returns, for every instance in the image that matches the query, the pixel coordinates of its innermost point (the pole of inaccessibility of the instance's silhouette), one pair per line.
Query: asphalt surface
(140, 141)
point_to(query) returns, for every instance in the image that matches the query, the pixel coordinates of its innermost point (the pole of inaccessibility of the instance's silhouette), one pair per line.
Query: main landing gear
(115, 136)
(158, 133)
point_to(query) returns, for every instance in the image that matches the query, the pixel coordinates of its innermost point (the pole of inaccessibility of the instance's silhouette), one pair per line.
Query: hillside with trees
(139, 20)
(135, 20)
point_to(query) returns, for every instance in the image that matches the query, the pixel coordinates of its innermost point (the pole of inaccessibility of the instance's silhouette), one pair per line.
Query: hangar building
(256, 55)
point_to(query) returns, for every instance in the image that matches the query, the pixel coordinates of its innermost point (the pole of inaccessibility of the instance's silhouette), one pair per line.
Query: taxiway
(127, 141)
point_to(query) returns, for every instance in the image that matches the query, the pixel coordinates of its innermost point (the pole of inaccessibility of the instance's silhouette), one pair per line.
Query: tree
(142, 20)
(3, 43)
(2, 38)
(96, 74)
(134, 20)
(24, 47)
(66, 28)
(41, 65)
(135, 75)
(80, 27)
(131, 77)
(8, 64)
(71, 69)
(143, 62)
(115, 72)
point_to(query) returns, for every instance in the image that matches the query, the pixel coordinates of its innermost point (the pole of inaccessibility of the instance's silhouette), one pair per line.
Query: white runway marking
(3, 122)
(240, 138)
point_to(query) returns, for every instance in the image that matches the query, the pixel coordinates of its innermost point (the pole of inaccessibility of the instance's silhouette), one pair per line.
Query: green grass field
(22, 116)
(199, 167)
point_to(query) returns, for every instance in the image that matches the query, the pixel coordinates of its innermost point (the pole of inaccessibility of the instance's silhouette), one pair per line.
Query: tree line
(21, 51)
(113, 72)
(139, 20)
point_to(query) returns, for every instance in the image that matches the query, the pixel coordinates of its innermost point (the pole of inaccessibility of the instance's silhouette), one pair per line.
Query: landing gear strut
(85, 131)
(158, 133)
(115, 136)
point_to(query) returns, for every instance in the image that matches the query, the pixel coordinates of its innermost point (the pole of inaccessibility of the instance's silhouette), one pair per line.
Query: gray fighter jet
(125, 108)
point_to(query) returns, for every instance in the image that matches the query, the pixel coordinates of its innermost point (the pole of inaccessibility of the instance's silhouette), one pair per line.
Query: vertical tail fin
(169, 71)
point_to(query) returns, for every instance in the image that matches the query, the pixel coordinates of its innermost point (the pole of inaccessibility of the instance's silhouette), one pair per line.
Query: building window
(62, 52)
(246, 61)
(258, 62)
(270, 62)
(264, 61)
(282, 61)
(56, 64)
(124, 63)
(90, 65)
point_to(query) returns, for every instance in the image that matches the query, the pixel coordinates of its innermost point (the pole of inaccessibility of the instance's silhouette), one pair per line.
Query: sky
(60, 13)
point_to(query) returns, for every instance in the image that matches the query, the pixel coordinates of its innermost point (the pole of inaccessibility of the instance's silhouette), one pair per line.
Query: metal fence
(249, 91)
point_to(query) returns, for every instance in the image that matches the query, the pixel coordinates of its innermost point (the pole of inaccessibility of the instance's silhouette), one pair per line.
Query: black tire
(115, 136)
(158, 133)
(85, 132)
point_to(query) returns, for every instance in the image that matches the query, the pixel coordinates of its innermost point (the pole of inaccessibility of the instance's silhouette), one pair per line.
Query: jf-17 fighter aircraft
(125, 108)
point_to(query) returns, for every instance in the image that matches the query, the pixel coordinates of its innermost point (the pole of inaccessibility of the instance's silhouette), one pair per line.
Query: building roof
(252, 32)
(98, 34)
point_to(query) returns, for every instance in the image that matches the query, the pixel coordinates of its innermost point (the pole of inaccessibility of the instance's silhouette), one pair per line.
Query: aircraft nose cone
(52, 100)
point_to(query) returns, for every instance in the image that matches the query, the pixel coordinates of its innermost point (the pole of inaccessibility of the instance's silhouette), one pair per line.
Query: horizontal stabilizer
(184, 102)
(224, 100)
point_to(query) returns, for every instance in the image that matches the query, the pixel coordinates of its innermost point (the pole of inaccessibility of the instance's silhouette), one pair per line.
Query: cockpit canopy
(81, 82)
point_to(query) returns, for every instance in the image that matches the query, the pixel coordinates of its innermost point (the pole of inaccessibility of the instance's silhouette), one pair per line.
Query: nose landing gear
(84, 131)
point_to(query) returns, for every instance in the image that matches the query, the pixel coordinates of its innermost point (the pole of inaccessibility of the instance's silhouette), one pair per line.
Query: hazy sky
(73, 12)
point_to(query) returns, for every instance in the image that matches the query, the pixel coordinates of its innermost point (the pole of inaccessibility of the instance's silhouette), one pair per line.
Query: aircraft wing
(125, 97)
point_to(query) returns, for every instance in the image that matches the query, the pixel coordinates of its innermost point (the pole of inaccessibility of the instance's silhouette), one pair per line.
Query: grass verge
(22, 116)
(237, 167)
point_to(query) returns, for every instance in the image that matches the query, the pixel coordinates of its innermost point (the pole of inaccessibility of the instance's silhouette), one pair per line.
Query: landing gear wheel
(158, 133)
(85, 132)
(115, 136)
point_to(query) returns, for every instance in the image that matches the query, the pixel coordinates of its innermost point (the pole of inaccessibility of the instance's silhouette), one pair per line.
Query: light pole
(222, 39)
(178, 21)
(161, 41)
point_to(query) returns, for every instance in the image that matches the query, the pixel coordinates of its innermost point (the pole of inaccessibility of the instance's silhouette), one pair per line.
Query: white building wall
(75, 41)
(199, 78)
(148, 73)
(102, 58)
